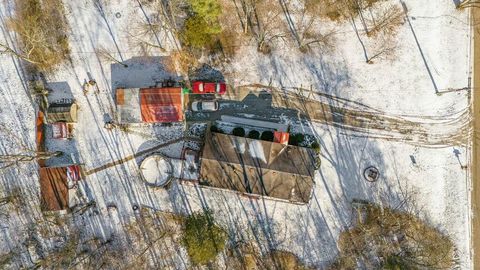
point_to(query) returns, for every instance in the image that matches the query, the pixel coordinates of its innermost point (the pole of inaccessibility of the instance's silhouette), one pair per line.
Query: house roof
(161, 105)
(62, 113)
(53, 188)
(258, 167)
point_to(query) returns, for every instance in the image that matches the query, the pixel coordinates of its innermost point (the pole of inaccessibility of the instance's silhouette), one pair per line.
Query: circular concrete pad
(156, 170)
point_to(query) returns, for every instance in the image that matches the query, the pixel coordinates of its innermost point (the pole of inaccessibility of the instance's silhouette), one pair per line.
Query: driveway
(254, 106)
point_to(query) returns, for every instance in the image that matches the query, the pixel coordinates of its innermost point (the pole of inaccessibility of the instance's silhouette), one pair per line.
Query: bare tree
(385, 20)
(387, 238)
(41, 28)
(160, 29)
(12, 159)
(262, 20)
(5, 49)
(108, 56)
(308, 27)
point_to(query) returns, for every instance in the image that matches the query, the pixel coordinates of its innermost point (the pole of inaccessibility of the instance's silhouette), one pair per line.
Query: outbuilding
(62, 112)
(55, 183)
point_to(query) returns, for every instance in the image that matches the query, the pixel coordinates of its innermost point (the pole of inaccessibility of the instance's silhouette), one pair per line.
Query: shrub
(402, 239)
(215, 129)
(202, 28)
(253, 134)
(238, 131)
(296, 139)
(208, 9)
(199, 33)
(316, 147)
(267, 136)
(202, 238)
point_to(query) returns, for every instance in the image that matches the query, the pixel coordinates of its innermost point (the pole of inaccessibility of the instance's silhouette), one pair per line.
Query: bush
(238, 131)
(316, 147)
(202, 28)
(215, 129)
(253, 134)
(199, 33)
(202, 238)
(402, 239)
(208, 9)
(296, 139)
(267, 136)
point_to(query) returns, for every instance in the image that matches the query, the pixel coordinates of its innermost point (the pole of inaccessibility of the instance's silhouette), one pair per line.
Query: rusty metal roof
(53, 188)
(258, 167)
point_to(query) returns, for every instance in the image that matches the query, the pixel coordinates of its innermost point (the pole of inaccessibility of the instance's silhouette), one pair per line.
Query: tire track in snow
(321, 108)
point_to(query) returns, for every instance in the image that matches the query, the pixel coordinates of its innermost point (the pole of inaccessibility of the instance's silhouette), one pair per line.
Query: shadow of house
(143, 72)
(258, 167)
(206, 73)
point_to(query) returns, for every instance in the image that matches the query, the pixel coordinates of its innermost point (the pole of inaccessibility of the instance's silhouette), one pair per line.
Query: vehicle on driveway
(205, 106)
(200, 87)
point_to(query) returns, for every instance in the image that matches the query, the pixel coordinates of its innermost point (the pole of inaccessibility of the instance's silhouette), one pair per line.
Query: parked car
(205, 106)
(209, 88)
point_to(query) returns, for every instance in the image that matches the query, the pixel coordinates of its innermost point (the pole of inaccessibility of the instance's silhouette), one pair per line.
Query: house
(54, 186)
(258, 167)
(150, 105)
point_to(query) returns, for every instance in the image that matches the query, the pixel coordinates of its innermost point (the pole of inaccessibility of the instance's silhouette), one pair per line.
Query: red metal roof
(281, 137)
(162, 105)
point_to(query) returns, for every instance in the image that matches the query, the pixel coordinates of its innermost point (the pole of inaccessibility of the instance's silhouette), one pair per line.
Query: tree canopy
(203, 238)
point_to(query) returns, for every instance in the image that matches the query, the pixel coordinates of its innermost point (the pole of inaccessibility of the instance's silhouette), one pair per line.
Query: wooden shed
(59, 112)
(54, 182)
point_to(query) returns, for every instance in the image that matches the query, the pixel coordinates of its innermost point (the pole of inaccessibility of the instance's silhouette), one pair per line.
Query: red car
(209, 88)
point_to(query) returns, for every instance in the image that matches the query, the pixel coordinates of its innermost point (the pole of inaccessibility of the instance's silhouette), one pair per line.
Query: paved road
(475, 166)
(255, 106)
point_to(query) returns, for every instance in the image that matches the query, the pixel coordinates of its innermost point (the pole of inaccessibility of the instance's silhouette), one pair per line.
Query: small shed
(60, 112)
(54, 186)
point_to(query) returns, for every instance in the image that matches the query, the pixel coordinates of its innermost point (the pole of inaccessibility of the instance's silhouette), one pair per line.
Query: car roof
(208, 105)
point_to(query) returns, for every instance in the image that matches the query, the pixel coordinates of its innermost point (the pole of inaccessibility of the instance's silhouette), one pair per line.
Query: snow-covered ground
(433, 178)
